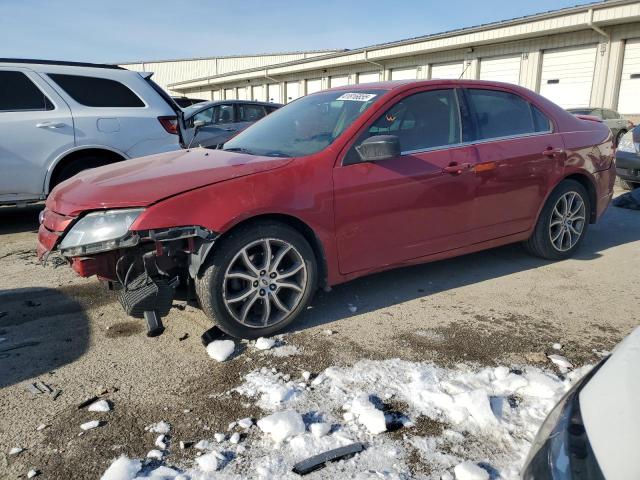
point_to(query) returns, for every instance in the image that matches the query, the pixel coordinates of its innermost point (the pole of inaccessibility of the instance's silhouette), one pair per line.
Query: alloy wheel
(264, 282)
(567, 221)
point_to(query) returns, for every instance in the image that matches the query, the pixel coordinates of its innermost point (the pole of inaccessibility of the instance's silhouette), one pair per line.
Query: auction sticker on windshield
(357, 97)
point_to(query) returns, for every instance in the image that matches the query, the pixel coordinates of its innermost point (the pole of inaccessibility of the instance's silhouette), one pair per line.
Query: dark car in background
(628, 159)
(210, 124)
(612, 119)
(184, 102)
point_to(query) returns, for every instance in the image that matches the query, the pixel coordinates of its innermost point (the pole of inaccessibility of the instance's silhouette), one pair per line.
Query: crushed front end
(143, 266)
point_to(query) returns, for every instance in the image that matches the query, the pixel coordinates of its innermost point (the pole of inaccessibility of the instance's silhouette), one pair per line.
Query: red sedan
(334, 186)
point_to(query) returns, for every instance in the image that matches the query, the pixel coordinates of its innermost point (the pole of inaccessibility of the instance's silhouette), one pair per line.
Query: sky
(117, 31)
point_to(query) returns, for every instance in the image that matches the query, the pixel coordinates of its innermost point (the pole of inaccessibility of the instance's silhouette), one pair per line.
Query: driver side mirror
(379, 147)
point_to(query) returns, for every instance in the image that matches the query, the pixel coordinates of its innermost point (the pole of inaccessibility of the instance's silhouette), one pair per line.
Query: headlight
(561, 450)
(100, 231)
(626, 143)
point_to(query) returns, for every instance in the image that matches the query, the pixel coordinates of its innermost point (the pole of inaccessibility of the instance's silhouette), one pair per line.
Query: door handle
(553, 152)
(457, 168)
(50, 125)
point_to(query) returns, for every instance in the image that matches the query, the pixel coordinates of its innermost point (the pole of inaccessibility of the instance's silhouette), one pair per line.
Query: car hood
(147, 180)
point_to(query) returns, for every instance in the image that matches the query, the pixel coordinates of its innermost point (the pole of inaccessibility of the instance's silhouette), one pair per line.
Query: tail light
(169, 123)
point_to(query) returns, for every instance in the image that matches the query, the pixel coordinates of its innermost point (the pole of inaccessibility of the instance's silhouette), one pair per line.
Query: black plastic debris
(630, 200)
(317, 462)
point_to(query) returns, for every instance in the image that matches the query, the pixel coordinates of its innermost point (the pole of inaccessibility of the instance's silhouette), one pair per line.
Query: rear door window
(497, 114)
(97, 92)
(250, 113)
(18, 92)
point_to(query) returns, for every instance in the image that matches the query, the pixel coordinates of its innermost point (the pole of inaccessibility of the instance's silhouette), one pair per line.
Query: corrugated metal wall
(172, 71)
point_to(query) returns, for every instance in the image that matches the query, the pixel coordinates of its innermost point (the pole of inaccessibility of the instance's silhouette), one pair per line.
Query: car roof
(30, 61)
(408, 84)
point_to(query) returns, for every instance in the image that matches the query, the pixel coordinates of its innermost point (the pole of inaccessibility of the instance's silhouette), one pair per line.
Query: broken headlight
(100, 232)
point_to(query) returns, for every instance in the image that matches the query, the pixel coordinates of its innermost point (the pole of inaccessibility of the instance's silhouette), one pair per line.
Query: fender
(59, 158)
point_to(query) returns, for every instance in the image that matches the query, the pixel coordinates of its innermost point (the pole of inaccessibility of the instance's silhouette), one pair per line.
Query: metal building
(580, 56)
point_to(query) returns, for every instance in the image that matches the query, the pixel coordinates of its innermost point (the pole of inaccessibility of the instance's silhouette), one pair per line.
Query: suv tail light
(169, 123)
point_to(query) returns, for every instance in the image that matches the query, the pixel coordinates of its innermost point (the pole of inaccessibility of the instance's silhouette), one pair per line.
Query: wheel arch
(590, 187)
(300, 226)
(111, 155)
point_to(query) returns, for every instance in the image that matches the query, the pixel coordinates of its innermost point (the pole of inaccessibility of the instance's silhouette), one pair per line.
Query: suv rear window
(18, 92)
(97, 92)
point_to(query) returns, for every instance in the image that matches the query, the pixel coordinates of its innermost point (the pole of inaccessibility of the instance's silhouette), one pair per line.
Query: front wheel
(258, 280)
(562, 224)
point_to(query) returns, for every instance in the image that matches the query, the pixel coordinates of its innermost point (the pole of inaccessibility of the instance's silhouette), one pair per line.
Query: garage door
(258, 93)
(629, 100)
(369, 77)
(340, 81)
(229, 93)
(314, 85)
(501, 69)
(447, 70)
(404, 73)
(274, 93)
(293, 91)
(567, 76)
(242, 93)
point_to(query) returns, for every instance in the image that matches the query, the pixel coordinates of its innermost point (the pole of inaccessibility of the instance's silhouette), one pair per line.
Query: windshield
(305, 126)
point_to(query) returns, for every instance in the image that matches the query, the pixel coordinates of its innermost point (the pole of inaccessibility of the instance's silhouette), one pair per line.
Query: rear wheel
(258, 280)
(562, 224)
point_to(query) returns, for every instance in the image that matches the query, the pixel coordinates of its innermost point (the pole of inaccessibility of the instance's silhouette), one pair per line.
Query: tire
(627, 185)
(541, 243)
(226, 277)
(76, 166)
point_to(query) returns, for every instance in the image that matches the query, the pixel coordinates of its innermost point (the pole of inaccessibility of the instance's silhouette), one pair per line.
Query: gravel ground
(499, 306)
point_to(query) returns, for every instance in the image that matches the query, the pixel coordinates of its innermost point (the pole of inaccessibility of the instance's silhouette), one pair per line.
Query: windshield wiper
(238, 149)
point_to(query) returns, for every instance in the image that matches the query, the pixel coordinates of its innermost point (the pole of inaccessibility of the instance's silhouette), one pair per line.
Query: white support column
(614, 74)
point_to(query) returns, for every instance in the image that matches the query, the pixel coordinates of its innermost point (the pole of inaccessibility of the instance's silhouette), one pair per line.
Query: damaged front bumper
(144, 267)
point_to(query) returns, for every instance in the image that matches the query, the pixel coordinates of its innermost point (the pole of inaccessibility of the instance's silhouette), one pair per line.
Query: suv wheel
(258, 280)
(562, 224)
(76, 166)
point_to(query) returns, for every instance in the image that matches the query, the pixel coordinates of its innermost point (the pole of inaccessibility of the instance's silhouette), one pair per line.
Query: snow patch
(265, 343)
(368, 415)
(221, 350)
(282, 425)
(16, 451)
(122, 468)
(319, 429)
(90, 425)
(209, 462)
(562, 363)
(160, 427)
(99, 406)
(470, 471)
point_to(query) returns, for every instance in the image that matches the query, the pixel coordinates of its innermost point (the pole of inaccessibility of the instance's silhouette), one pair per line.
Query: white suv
(59, 118)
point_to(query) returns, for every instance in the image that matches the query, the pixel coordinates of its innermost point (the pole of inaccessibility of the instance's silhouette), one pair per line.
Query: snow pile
(122, 469)
(265, 343)
(459, 423)
(99, 406)
(209, 462)
(470, 471)
(221, 350)
(367, 414)
(282, 425)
